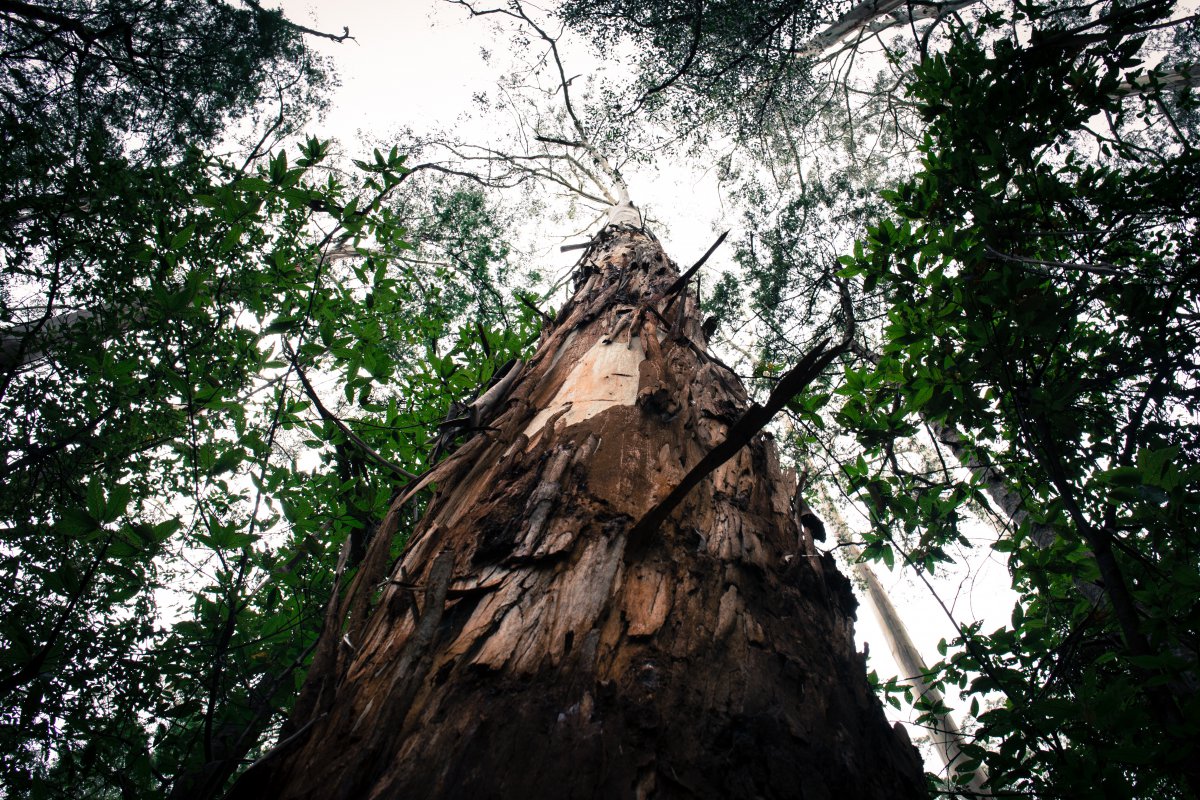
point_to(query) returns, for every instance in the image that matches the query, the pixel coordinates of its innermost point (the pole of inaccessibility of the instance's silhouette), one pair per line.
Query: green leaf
(166, 529)
(227, 462)
(252, 184)
(183, 237)
(77, 522)
(118, 501)
(283, 324)
(95, 499)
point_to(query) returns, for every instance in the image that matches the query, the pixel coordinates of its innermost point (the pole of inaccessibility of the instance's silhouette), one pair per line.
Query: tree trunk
(945, 734)
(524, 646)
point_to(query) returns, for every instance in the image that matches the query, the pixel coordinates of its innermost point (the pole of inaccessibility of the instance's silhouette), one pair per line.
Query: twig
(342, 426)
(697, 33)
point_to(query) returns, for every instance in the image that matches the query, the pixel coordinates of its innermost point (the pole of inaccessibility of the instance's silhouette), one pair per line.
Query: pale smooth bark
(874, 16)
(28, 342)
(946, 734)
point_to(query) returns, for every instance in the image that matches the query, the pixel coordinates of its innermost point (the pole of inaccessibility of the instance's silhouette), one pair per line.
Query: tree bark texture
(524, 646)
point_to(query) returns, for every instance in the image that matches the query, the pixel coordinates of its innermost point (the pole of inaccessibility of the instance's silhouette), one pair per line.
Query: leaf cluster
(1041, 285)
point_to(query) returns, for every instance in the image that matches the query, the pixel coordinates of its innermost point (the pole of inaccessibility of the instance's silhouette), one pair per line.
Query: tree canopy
(224, 346)
(169, 317)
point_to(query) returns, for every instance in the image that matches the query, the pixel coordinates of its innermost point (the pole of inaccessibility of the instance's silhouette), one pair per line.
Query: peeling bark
(524, 647)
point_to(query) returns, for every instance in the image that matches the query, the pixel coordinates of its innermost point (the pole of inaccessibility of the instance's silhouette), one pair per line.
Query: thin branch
(342, 426)
(322, 34)
(517, 11)
(525, 301)
(1103, 268)
(553, 140)
(697, 22)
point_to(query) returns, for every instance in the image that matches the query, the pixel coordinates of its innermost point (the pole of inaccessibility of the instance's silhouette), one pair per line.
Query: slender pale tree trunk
(945, 734)
(534, 641)
(873, 16)
(20, 345)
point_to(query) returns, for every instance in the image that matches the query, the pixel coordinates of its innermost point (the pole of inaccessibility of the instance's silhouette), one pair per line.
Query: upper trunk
(524, 646)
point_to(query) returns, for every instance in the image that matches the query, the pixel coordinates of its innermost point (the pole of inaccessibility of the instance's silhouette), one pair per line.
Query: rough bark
(524, 647)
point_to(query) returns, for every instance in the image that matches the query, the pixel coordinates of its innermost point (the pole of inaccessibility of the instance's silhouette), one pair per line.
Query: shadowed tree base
(524, 647)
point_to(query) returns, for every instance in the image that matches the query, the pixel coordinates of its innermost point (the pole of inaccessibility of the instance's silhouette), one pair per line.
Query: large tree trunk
(525, 646)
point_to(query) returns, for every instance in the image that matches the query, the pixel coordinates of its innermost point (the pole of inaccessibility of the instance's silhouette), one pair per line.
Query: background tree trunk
(524, 647)
(944, 733)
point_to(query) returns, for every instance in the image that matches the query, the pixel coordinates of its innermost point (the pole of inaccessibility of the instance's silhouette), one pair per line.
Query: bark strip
(522, 647)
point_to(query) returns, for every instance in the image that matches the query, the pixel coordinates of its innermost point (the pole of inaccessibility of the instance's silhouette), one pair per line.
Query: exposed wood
(522, 647)
(753, 420)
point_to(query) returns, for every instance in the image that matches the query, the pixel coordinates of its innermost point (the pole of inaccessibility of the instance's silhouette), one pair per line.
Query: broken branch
(683, 279)
(740, 433)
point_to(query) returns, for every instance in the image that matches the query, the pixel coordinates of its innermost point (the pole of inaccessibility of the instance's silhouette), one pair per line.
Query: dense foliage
(214, 373)
(1044, 301)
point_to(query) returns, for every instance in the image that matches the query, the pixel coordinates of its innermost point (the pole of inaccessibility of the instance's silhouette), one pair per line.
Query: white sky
(418, 63)
(412, 61)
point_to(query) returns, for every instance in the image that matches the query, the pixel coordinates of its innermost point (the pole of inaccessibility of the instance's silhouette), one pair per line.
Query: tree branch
(342, 426)
(300, 28)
